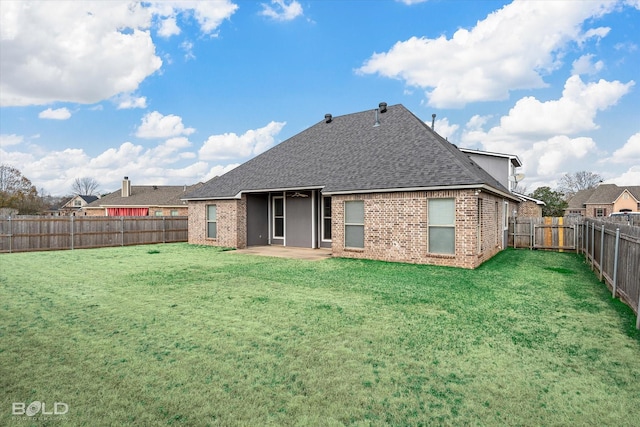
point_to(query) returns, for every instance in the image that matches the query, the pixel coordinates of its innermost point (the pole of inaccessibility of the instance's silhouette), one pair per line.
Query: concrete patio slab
(308, 254)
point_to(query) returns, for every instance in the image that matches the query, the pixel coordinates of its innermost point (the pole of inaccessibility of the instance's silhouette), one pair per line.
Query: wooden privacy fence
(544, 233)
(39, 233)
(612, 248)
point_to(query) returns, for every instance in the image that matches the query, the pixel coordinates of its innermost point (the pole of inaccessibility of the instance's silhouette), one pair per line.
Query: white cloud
(57, 114)
(546, 135)
(634, 3)
(155, 125)
(444, 129)
(630, 177)
(585, 65)
(86, 51)
(10, 139)
(168, 27)
(574, 112)
(168, 163)
(282, 11)
(208, 14)
(127, 101)
(512, 48)
(187, 46)
(628, 153)
(231, 145)
(219, 170)
(551, 156)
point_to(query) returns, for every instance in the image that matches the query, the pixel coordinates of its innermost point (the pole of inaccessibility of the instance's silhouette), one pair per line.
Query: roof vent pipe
(382, 107)
(377, 123)
(327, 118)
(433, 121)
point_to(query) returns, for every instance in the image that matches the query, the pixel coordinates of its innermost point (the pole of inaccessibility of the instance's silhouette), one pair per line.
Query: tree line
(18, 194)
(556, 201)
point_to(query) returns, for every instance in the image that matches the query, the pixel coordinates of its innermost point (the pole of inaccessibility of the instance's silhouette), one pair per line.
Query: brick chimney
(126, 187)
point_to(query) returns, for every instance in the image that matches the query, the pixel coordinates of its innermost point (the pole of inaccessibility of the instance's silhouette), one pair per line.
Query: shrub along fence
(611, 247)
(38, 233)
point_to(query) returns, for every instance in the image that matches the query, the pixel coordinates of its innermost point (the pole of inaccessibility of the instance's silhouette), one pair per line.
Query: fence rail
(24, 234)
(611, 247)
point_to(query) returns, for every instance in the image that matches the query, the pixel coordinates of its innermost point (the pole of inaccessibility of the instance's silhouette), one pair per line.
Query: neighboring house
(501, 166)
(75, 205)
(604, 200)
(142, 200)
(529, 207)
(378, 184)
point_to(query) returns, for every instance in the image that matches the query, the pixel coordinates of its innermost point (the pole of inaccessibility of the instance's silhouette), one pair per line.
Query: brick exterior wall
(590, 210)
(232, 220)
(529, 209)
(396, 228)
(93, 212)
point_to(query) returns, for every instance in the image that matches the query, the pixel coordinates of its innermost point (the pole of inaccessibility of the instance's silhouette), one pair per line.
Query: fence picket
(37, 233)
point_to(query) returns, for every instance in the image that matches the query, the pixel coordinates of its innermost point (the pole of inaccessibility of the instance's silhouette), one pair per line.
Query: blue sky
(176, 92)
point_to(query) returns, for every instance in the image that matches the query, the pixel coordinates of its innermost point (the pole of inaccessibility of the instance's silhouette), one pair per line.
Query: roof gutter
(264, 190)
(437, 188)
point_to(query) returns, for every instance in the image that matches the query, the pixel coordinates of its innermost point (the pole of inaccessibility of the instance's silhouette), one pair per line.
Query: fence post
(121, 231)
(585, 238)
(164, 239)
(10, 236)
(72, 230)
(593, 245)
(601, 252)
(615, 263)
(532, 230)
(638, 318)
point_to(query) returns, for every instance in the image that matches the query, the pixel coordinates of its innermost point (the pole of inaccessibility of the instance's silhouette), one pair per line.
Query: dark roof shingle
(146, 195)
(351, 154)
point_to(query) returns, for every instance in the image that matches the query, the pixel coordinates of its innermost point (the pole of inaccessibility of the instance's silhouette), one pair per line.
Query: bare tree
(571, 183)
(17, 192)
(84, 186)
(520, 188)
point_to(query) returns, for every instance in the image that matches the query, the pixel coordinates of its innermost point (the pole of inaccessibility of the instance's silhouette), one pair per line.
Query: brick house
(141, 200)
(604, 200)
(378, 184)
(529, 207)
(74, 206)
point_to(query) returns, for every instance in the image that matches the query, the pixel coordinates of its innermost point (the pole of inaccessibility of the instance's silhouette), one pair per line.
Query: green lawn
(189, 335)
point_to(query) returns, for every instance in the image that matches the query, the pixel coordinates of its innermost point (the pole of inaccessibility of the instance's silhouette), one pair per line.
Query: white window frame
(273, 209)
(353, 224)
(323, 218)
(209, 221)
(451, 225)
(505, 215)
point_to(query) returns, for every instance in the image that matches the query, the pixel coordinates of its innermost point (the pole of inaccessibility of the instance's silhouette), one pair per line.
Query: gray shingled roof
(88, 199)
(608, 193)
(603, 194)
(350, 154)
(578, 200)
(146, 195)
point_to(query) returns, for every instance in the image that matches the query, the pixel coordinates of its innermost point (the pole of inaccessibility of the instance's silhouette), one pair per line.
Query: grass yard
(189, 335)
